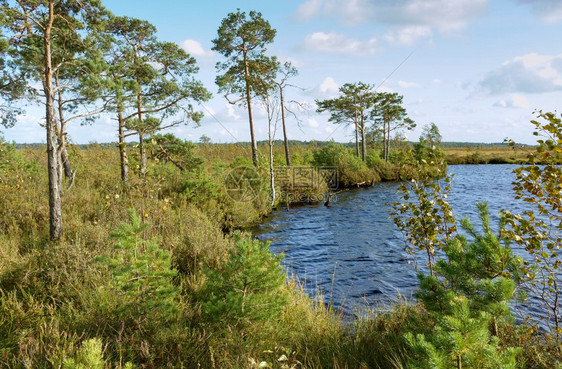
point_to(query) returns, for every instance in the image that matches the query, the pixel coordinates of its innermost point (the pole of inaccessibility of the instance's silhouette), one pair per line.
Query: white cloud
(385, 89)
(351, 12)
(445, 15)
(408, 35)
(405, 84)
(313, 123)
(530, 73)
(309, 9)
(328, 86)
(336, 43)
(513, 101)
(196, 49)
(436, 81)
(231, 112)
(226, 113)
(550, 11)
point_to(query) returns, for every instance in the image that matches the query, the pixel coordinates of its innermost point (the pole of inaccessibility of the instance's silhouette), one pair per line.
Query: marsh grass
(59, 304)
(487, 154)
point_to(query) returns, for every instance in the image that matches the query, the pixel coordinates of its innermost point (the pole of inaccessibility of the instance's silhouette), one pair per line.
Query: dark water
(353, 253)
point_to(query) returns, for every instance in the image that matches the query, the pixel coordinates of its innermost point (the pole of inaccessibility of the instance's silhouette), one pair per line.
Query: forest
(136, 254)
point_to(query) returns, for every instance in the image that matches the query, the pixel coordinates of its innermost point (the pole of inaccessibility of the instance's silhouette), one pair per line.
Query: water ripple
(353, 253)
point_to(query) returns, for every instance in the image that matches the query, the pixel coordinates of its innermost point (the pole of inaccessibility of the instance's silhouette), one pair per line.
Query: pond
(353, 254)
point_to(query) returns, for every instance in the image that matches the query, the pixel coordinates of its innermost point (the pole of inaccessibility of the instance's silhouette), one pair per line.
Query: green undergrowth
(155, 274)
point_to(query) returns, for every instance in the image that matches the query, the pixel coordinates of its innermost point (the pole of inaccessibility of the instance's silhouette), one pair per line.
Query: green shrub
(460, 339)
(249, 287)
(141, 274)
(351, 170)
(373, 159)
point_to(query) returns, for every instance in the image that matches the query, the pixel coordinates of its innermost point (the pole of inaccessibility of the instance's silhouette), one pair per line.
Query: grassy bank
(501, 154)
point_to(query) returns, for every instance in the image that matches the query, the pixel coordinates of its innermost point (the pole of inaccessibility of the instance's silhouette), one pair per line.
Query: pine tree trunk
(141, 137)
(384, 140)
(123, 149)
(55, 203)
(363, 142)
(387, 149)
(356, 140)
(67, 168)
(142, 155)
(61, 134)
(287, 156)
(250, 116)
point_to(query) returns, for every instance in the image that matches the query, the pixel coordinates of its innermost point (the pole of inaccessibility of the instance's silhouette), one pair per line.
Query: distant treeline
(451, 144)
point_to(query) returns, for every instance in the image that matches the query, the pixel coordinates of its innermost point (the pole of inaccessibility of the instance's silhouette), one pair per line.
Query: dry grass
(487, 155)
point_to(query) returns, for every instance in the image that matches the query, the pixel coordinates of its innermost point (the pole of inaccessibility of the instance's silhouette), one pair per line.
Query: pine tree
(141, 273)
(250, 287)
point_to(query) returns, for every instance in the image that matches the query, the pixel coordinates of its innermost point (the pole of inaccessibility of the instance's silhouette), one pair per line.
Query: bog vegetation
(156, 273)
(135, 255)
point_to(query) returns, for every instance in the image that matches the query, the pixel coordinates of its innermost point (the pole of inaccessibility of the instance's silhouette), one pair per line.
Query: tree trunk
(55, 203)
(250, 116)
(142, 155)
(387, 141)
(384, 139)
(141, 137)
(363, 142)
(287, 156)
(67, 168)
(123, 148)
(61, 134)
(271, 171)
(356, 139)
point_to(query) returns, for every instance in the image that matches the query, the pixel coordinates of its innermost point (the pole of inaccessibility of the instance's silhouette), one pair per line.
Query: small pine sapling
(141, 273)
(250, 287)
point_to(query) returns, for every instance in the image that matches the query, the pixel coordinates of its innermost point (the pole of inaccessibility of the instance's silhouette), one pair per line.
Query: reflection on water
(353, 253)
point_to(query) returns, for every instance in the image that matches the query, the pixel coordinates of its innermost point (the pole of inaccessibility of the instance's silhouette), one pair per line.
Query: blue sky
(478, 68)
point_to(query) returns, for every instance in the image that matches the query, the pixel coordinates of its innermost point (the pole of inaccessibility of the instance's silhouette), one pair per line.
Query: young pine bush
(141, 273)
(469, 286)
(484, 271)
(90, 356)
(249, 287)
(460, 339)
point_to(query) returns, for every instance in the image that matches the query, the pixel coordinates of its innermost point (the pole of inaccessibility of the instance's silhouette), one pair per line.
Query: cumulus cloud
(327, 89)
(195, 49)
(513, 101)
(313, 123)
(531, 73)
(385, 89)
(408, 35)
(309, 9)
(405, 84)
(550, 11)
(223, 114)
(445, 15)
(329, 86)
(349, 12)
(335, 43)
